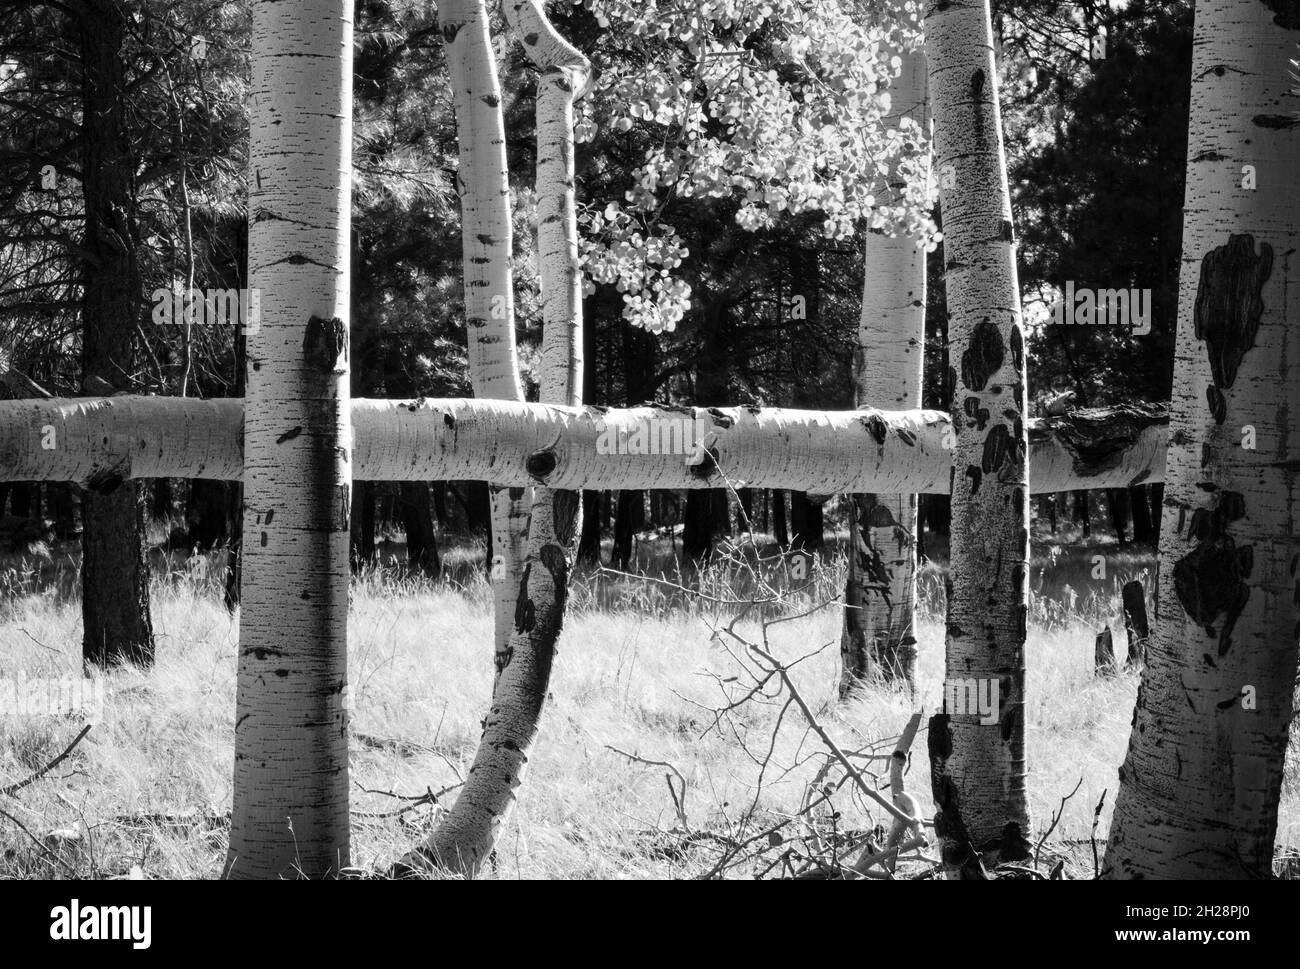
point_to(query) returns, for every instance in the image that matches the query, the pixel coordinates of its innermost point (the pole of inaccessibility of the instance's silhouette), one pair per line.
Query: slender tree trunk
(363, 524)
(365, 380)
(483, 182)
(779, 531)
(807, 522)
(589, 543)
(1047, 508)
(1082, 512)
(114, 566)
(63, 509)
(465, 838)
(721, 509)
(879, 637)
(1117, 506)
(697, 527)
(235, 513)
(417, 521)
(1199, 789)
(162, 499)
(440, 503)
(589, 540)
(1144, 529)
(979, 775)
(746, 498)
(628, 520)
(290, 812)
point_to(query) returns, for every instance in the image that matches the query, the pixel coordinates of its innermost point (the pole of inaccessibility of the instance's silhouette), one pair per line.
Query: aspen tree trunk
(484, 186)
(115, 570)
(96, 440)
(290, 813)
(466, 837)
(1200, 785)
(880, 593)
(979, 775)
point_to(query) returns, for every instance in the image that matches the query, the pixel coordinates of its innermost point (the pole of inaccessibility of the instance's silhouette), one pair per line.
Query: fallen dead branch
(13, 789)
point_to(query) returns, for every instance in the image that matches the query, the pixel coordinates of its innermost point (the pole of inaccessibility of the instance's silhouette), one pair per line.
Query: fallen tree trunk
(100, 442)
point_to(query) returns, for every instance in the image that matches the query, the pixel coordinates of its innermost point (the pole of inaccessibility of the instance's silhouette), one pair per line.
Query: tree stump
(1104, 657)
(1135, 621)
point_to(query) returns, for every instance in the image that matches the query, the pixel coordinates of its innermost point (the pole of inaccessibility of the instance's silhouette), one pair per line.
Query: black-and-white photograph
(650, 440)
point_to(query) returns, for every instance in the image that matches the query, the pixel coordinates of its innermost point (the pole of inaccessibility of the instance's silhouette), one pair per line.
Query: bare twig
(1096, 819)
(36, 641)
(679, 799)
(1056, 819)
(415, 801)
(833, 747)
(13, 789)
(36, 841)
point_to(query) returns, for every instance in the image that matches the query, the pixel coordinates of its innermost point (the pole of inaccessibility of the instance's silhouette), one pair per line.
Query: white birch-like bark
(483, 183)
(466, 836)
(878, 638)
(111, 438)
(1200, 786)
(290, 812)
(564, 75)
(979, 768)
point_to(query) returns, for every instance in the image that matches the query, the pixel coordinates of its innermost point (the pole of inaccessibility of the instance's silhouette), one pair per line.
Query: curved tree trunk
(467, 835)
(878, 638)
(488, 250)
(115, 570)
(290, 812)
(979, 773)
(1200, 785)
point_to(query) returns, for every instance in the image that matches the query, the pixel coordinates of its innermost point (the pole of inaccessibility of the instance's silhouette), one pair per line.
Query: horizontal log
(99, 442)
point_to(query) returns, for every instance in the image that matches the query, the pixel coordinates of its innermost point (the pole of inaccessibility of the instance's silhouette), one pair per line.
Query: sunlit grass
(150, 785)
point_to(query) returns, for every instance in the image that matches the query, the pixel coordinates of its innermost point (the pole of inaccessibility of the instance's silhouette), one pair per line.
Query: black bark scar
(1210, 580)
(984, 356)
(324, 343)
(1228, 308)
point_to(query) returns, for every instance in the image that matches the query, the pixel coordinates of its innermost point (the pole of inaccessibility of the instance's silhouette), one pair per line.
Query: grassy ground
(639, 669)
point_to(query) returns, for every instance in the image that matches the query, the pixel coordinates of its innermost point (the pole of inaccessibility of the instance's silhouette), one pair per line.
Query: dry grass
(150, 785)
